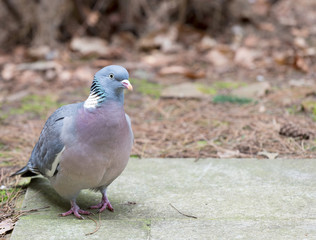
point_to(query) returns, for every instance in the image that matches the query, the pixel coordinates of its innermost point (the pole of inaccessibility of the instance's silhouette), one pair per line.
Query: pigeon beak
(127, 84)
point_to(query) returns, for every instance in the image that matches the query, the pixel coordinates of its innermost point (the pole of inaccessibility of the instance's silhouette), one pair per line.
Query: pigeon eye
(111, 75)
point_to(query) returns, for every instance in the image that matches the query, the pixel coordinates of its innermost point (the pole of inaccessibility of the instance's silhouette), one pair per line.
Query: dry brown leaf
(251, 41)
(300, 42)
(228, 153)
(301, 64)
(8, 71)
(181, 70)
(206, 43)
(269, 27)
(6, 225)
(217, 58)
(245, 57)
(93, 18)
(173, 70)
(158, 59)
(268, 154)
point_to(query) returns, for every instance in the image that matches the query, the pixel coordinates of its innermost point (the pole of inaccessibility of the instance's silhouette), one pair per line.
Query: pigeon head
(113, 78)
(108, 84)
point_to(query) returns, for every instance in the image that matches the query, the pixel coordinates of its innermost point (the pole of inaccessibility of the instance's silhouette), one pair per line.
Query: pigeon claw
(75, 211)
(104, 204)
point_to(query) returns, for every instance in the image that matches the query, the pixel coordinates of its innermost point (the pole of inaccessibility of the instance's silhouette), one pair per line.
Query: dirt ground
(249, 94)
(194, 97)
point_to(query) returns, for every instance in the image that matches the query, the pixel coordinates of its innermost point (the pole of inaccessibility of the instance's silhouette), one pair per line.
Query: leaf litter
(271, 62)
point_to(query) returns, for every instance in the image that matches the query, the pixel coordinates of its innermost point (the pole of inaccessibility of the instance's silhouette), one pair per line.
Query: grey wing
(44, 157)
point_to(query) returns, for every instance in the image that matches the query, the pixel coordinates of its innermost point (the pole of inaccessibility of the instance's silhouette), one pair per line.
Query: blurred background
(221, 78)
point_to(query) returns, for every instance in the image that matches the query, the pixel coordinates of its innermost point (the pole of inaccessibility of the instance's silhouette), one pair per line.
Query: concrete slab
(230, 199)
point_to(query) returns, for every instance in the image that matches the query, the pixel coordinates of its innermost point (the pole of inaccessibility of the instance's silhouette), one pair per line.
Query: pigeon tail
(24, 172)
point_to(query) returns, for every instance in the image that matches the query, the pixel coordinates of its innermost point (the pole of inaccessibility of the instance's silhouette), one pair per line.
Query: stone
(90, 46)
(184, 90)
(254, 90)
(231, 199)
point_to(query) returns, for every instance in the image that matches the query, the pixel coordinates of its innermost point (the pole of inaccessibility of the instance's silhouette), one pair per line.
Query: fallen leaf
(93, 18)
(6, 225)
(171, 70)
(269, 27)
(164, 39)
(158, 59)
(8, 71)
(217, 58)
(245, 57)
(181, 70)
(268, 154)
(301, 82)
(301, 64)
(42, 52)
(300, 42)
(251, 41)
(206, 43)
(228, 153)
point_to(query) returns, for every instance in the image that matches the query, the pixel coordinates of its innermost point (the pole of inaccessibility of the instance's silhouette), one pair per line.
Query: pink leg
(105, 203)
(75, 210)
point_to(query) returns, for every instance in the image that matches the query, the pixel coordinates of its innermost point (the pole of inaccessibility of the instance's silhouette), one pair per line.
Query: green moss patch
(146, 88)
(231, 99)
(219, 85)
(36, 105)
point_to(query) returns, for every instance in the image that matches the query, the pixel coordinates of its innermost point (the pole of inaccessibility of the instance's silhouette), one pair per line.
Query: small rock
(268, 154)
(228, 153)
(207, 43)
(173, 70)
(40, 66)
(217, 58)
(65, 75)
(50, 75)
(255, 90)
(42, 52)
(301, 82)
(300, 42)
(183, 90)
(245, 57)
(8, 71)
(89, 46)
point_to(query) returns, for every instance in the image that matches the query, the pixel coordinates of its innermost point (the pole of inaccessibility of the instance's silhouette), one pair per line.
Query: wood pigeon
(86, 145)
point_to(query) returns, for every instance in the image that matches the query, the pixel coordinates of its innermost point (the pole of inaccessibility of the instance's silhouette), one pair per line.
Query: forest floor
(253, 96)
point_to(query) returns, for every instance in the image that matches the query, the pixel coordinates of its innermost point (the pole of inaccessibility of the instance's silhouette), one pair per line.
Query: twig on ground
(190, 216)
(98, 225)
(34, 209)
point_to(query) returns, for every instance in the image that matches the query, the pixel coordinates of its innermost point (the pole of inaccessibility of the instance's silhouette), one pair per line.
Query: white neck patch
(92, 101)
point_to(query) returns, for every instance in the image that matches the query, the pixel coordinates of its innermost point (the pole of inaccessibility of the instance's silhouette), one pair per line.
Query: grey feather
(49, 143)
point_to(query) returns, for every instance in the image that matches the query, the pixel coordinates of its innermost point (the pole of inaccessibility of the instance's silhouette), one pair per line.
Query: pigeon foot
(75, 210)
(104, 204)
